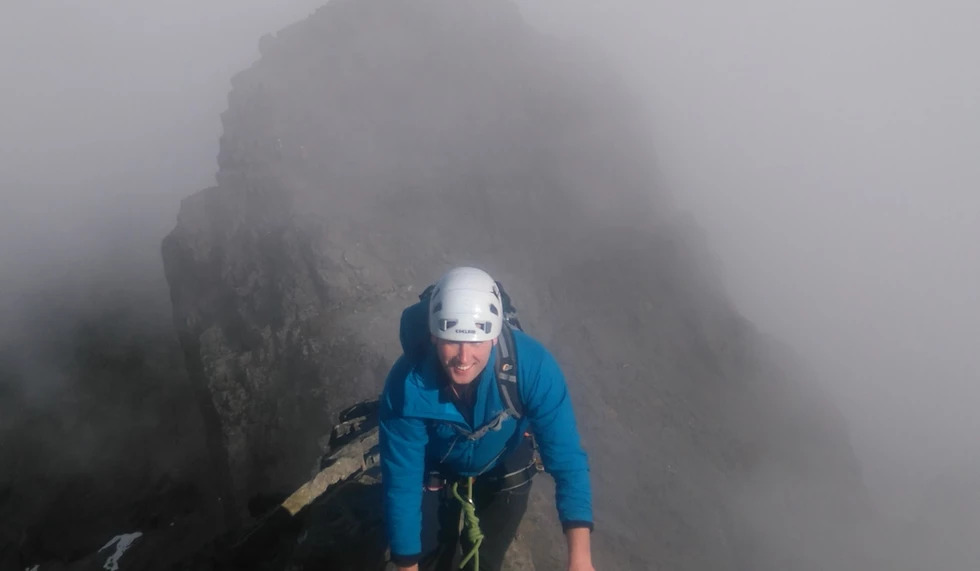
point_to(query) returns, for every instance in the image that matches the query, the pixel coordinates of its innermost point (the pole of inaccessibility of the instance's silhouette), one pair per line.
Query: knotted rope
(471, 524)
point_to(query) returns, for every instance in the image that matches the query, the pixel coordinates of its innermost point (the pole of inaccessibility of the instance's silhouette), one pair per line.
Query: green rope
(471, 524)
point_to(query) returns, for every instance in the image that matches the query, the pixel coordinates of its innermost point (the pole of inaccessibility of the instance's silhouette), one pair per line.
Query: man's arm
(402, 443)
(549, 409)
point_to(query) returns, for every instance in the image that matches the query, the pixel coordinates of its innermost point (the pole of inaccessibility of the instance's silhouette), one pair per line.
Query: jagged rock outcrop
(376, 144)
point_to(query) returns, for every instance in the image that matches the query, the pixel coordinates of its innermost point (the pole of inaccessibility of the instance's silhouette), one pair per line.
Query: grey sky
(109, 108)
(134, 86)
(829, 149)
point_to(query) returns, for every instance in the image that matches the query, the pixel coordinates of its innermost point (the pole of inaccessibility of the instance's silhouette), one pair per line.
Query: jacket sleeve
(549, 409)
(402, 442)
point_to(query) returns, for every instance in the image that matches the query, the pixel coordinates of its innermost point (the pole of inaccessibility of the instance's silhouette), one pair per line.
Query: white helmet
(465, 306)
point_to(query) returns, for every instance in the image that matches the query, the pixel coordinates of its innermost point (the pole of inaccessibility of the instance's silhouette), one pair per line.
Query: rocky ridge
(377, 143)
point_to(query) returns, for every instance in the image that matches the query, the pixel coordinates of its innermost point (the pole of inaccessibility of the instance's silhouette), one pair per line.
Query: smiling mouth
(462, 369)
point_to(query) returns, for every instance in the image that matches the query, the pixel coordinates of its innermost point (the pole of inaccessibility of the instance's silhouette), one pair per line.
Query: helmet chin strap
(463, 391)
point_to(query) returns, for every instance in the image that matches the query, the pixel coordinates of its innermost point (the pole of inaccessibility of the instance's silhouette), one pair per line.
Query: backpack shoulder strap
(427, 292)
(506, 368)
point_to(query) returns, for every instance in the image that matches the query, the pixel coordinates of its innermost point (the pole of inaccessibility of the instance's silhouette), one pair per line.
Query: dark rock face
(378, 143)
(99, 430)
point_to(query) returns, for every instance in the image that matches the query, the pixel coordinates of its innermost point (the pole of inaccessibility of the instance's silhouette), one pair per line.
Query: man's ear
(495, 340)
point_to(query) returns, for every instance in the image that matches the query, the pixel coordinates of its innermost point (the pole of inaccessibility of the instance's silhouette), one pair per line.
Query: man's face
(463, 361)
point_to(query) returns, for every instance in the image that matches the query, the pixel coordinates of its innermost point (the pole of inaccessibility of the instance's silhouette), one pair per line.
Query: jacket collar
(427, 395)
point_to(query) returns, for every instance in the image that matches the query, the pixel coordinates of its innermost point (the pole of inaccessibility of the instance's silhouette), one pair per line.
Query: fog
(110, 114)
(829, 149)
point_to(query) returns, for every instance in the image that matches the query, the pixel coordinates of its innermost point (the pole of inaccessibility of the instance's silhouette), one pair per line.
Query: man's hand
(579, 549)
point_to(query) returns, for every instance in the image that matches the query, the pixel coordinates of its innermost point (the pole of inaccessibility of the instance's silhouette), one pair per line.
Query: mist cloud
(829, 150)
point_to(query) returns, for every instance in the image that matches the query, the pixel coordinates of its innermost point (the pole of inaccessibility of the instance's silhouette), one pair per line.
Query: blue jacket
(417, 430)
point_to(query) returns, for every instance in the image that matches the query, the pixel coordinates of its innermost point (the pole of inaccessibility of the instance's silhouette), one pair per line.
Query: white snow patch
(35, 568)
(122, 543)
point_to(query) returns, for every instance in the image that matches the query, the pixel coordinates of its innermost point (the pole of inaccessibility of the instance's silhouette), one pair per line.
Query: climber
(459, 437)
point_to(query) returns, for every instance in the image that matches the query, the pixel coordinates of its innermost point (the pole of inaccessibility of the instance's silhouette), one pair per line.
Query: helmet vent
(465, 305)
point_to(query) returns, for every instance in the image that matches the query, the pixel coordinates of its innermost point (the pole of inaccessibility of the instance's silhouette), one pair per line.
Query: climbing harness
(471, 523)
